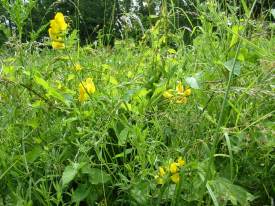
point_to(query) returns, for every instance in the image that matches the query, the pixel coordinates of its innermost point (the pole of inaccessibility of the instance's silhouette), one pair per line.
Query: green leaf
(122, 154)
(80, 193)
(50, 91)
(245, 7)
(236, 29)
(32, 155)
(193, 83)
(69, 173)
(122, 137)
(273, 12)
(140, 192)
(96, 176)
(42, 82)
(229, 66)
(224, 190)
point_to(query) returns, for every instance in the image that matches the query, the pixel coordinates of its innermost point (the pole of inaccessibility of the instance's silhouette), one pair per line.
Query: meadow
(158, 120)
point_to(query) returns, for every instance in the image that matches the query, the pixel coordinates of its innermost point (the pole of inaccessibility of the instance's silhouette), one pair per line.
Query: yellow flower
(187, 92)
(58, 45)
(160, 181)
(173, 167)
(82, 95)
(161, 172)
(60, 20)
(54, 27)
(180, 162)
(168, 94)
(181, 100)
(175, 178)
(86, 88)
(57, 30)
(77, 67)
(179, 88)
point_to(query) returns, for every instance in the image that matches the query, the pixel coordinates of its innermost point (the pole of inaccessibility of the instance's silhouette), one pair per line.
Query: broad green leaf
(140, 94)
(236, 32)
(97, 176)
(192, 82)
(32, 155)
(122, 137)
(229, 66)
(273, 12)
(9, 72)
(80, 193)
(140, 192)
(224, 191)
(69, 173)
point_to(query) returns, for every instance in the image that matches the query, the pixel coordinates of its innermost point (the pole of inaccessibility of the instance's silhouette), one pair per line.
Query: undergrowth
(138, 139)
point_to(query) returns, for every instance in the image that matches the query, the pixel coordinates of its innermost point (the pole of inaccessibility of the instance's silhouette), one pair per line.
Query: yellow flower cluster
(179, 94)
(172, 170)
(57, 31)
(86, 88)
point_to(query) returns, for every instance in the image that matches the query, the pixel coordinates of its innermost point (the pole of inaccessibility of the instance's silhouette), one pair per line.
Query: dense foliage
(178, 111)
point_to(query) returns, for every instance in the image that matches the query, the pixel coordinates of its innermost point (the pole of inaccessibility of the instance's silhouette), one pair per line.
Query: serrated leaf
(229, 66)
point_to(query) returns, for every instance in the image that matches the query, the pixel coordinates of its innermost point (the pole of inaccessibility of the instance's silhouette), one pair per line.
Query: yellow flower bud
(161, 172)
(173, 167)
(180, 162)
(175, 178)
(179, 88)
(168, 94)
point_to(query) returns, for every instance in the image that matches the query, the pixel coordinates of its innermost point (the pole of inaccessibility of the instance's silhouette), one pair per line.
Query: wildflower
(168, 94)
(180, 94)
(175, 178)
(86, 88)
(77, 67)
(60, 20)
(161, 172)
(187, 92)
(179, 88)
(58, 45)
(57, 30)
(180, 162)
(173, 167)
(160, 180)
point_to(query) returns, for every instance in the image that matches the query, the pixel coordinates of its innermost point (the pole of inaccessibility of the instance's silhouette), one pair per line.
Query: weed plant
(159, 122)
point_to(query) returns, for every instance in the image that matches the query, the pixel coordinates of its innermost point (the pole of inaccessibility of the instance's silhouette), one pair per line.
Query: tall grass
(108, 150)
